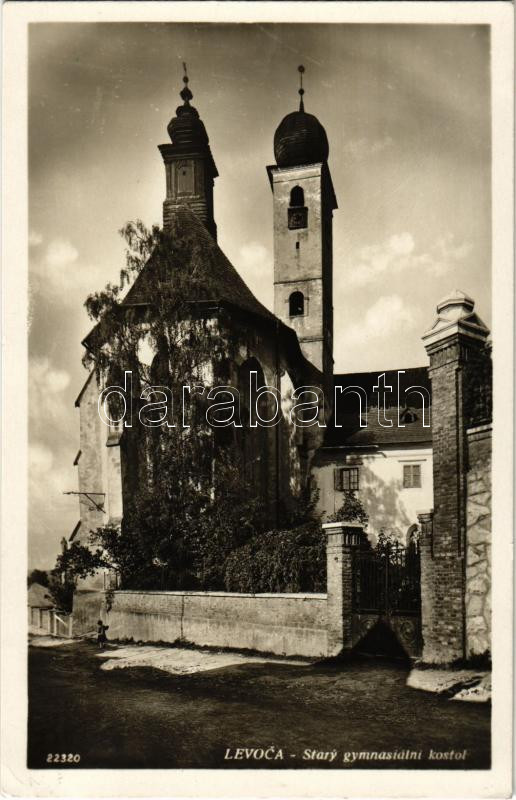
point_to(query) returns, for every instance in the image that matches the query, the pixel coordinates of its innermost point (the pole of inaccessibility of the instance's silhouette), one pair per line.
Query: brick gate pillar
(342, 538)
(456, 346)
(429, 588)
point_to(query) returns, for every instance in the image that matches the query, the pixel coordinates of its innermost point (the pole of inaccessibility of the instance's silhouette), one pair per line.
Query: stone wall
(88, 606)
(284, 624)
(478, 554)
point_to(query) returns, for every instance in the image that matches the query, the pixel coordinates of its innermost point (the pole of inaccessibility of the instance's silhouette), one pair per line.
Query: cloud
(48, 408)
(60, 253)
(52, 514)
(254, 264)
(445, 253)
(399, 253)
(253, 259)
(40, 459)
(360, 149)
(59, 274)
(35, 238)
(55, 269)
(383, 319)
(47, 378)
(401, 244)
(51, 429)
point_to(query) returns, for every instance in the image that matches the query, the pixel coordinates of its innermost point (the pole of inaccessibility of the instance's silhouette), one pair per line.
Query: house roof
(345, 430)
(75, 531)
(39, 597)
(223, 287)
(79, 397)
(222, 284)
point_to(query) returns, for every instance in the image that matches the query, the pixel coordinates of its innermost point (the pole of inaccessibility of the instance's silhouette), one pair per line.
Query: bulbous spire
(300, 138)
(186, 129)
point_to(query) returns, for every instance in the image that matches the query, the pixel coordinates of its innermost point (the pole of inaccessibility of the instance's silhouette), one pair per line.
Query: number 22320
(63, 758)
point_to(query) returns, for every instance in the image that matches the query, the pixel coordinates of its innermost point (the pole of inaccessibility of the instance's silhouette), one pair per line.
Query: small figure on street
(101, 634)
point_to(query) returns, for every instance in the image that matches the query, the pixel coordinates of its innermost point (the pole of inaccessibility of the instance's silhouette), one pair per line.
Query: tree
(38, 576)
(351, 510)
(176, 534)
(291, 559)
(61, 591)
(189, 505)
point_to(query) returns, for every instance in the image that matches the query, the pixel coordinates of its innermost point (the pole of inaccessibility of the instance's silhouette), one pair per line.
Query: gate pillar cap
(333, 526)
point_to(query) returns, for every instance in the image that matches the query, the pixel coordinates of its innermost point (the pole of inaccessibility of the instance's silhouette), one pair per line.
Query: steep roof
(223, 283)
(347, 410)
(39, 596)
(81, 393)
(223, 287)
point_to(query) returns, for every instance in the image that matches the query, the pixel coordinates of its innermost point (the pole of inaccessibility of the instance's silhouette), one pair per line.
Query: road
(144, 718)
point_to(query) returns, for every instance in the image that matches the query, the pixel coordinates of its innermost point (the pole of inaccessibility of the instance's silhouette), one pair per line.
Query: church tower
(304, 201)
(189, 165)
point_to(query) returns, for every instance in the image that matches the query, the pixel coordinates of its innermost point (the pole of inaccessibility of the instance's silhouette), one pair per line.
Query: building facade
(412, 444)
(379, 445)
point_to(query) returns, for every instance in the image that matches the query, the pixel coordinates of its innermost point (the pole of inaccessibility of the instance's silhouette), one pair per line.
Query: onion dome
(186, 129)
(300, 138)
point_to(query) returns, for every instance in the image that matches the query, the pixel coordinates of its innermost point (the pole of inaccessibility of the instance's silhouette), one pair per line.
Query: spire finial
(301, 69)
(185, 92)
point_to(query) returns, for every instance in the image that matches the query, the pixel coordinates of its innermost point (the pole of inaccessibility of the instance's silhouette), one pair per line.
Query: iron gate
(387, 578)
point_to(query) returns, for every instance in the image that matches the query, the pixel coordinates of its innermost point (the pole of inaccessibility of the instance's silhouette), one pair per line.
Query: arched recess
(412, 535)
(154, 435)
(296, 304)
(297, 196)
(226, 375)
(253, 441)
(130, 437)
(297, 211)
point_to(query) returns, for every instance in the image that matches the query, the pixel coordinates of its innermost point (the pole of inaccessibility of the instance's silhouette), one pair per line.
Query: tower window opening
(296, 304)
(297, 245)
(297, 211)
(297, 196)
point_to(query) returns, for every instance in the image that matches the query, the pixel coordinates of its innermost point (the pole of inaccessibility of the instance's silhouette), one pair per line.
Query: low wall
(87, 609)
(285, 624)
(40, 619)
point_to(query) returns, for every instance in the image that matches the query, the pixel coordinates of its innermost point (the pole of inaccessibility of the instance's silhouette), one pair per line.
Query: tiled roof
(39, 596)
(84, 387)
(223, 284)
(347, 410)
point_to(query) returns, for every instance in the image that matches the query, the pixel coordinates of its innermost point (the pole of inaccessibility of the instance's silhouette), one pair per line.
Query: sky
(407, 112)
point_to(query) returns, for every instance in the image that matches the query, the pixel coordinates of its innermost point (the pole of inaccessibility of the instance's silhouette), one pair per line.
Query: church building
(290, 348)
(374, 436)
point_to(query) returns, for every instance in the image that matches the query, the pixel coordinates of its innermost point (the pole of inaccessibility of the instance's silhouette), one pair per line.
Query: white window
(411, 476)
(347, 479)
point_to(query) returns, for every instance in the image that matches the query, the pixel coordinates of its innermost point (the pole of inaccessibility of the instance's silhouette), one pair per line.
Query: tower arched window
(297, 211)
(297, 196)
(296, 304)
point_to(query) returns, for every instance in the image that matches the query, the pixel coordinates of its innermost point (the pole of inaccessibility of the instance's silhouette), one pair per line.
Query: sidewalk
(37, 639)
(182, 660)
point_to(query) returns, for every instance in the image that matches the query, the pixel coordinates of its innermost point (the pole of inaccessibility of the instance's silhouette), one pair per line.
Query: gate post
(456, 346)
(342, 537)
(429, 586)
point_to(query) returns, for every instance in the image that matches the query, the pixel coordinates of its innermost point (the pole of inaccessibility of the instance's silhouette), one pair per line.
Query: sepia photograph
(260, 342)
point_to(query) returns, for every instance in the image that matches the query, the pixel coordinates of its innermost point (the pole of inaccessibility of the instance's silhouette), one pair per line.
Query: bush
(279, 561)
(351, 510)
(61, 591)
(38, 576)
